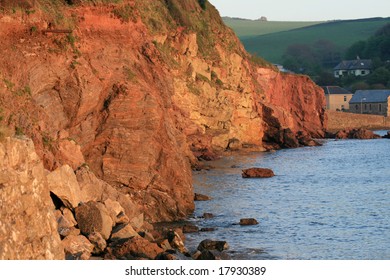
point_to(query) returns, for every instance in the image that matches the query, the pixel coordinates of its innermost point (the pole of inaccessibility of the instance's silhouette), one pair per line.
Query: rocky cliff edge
(140, 91)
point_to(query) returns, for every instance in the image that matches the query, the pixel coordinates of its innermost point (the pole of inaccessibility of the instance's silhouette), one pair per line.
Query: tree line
(319, 59)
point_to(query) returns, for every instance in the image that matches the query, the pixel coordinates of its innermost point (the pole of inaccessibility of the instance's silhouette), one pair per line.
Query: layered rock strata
(141, 91)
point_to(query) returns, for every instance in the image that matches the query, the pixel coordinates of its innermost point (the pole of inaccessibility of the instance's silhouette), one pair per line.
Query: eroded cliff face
(28, 228)
(141, 90)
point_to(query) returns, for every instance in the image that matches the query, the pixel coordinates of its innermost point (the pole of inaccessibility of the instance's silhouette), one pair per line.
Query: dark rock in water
(363, 134)
(212, 255)
(172, 255)
(248, 222)
(209, 244)
(288, 138)
(201, 197)
(257, 173)
(387, 136)
(306, 140)
(190, 229)
(208, 216)
(329, 135)
(356, 134)
(207, 229)
(342, 134)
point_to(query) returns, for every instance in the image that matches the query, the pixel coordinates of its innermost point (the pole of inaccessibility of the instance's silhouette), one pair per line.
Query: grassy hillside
(245, 28)
(342, 33)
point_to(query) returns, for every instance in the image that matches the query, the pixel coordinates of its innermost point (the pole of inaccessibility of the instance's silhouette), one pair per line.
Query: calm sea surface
(329, 202)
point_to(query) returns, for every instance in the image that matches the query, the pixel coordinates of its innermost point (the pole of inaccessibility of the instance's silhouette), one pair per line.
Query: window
(356, 107)
(345, 98)
(365, 106)
(380, 107)
(370, 108)
(363, 72)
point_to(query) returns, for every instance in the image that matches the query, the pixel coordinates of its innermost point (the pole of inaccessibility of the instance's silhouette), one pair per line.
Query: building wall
(370, 108)
(338, 102)
(358, 72)
(340, 73)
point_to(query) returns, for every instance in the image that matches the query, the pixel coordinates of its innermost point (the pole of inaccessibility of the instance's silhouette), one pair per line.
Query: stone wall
(341, 120)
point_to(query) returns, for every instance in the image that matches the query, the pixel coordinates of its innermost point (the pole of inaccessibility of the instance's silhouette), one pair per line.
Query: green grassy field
(342, 33)
(249, 28)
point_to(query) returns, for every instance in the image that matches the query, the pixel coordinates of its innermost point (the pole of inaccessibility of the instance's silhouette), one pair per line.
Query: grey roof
(354, 64)
(370, 96)
(335, 90)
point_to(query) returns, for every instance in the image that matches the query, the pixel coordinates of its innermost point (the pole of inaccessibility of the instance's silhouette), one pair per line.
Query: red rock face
(141, 105)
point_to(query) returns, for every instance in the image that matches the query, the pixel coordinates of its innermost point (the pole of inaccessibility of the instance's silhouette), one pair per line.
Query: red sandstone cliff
(139, 91)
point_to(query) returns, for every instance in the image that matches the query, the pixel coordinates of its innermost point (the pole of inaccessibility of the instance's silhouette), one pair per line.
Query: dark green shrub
(202, 4)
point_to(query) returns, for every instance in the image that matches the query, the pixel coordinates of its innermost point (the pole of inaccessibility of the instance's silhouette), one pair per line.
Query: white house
(358, 67)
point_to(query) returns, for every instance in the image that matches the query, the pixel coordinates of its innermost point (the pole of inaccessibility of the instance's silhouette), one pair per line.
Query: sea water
(328, 202)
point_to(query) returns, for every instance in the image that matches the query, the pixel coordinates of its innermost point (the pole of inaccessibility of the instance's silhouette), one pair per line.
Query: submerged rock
(257, 173)
(190, 228)
(208, 216)
(207, 229)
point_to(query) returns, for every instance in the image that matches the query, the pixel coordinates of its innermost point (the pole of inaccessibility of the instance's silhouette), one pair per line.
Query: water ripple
(329, 202)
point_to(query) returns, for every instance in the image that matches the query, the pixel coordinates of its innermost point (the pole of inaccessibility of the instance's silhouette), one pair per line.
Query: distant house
(337, 98)
(375, 102)
(358, 67)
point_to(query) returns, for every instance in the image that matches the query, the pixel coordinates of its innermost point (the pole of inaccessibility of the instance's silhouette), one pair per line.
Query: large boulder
(116, 211)
(118, 204)
(94, 217)
(209, 244)
(123, 231)
(257, 173)
(77, 247)
(134, 248)
(63, 184)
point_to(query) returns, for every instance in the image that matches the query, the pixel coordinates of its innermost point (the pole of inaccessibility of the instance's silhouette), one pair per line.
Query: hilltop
(340, 33)
(245, 28)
